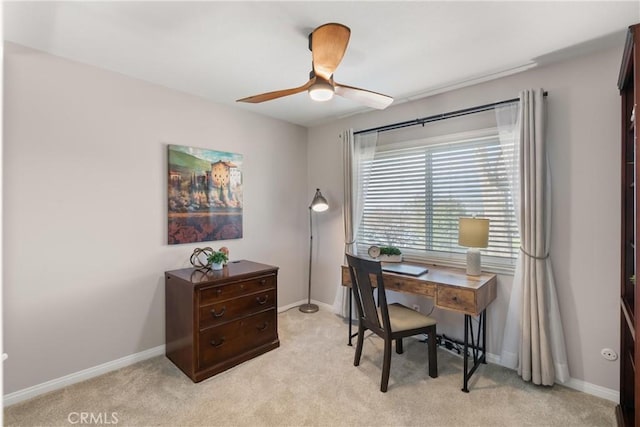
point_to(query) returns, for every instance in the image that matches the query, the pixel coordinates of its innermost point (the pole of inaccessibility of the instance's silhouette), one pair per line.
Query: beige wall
(85, 216)
(85, 209)
(583, 135)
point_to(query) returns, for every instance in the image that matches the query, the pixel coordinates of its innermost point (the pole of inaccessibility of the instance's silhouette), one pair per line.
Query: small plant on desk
(390, 254)
(390, 250)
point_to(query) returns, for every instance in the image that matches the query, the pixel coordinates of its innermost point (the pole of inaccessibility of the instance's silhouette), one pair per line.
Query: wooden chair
(390, 322)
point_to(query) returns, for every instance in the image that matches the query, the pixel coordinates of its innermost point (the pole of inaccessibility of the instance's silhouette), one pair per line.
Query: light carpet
(310, 380)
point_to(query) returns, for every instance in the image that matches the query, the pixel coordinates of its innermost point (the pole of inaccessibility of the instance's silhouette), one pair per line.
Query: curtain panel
(533, 340)
(356, 150)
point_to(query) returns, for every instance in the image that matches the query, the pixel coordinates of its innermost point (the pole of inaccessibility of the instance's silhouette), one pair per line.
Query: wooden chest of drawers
(218, 319)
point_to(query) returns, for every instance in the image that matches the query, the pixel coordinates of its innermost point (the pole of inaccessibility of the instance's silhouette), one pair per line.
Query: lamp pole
(308, 307)
(319, 204)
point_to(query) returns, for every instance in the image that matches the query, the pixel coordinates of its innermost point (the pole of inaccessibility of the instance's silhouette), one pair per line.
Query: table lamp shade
(473, 232)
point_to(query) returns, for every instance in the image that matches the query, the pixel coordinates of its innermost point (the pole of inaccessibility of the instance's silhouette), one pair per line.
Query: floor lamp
(318, 204)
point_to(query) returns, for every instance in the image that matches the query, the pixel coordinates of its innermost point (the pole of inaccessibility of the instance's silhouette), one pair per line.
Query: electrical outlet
(609, 354)
(416, 307)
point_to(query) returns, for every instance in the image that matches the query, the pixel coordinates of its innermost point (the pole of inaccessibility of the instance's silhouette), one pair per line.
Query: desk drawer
(232, 339)
(225, 311)
(395, 282)
(236, 289)
(456, 299)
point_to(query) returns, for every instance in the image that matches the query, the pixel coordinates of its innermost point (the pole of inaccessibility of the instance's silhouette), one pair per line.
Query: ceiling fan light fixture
(321, 91)
(328, 44)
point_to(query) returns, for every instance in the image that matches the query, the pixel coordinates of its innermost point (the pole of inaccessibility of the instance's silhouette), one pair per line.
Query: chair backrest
(361, 271)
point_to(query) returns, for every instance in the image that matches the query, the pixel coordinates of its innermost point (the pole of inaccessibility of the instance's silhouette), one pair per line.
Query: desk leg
(350, 316)
(484, 336)
(479, 349)
(465, 377)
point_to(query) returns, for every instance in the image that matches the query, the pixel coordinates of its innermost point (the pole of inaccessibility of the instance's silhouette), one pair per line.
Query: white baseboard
(579, 385)
(592, 389)
(36, 390)
(575, 384)
(492, 358)
(67, 380)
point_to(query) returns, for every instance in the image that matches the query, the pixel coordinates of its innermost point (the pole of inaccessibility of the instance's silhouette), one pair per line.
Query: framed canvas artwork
(204, 195)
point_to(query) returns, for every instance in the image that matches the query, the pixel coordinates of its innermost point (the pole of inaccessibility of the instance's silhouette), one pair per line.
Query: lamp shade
(473, 232)
(319, 203)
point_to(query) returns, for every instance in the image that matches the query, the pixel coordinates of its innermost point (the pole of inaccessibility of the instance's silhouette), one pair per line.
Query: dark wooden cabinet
(218, 319)
(629, 85)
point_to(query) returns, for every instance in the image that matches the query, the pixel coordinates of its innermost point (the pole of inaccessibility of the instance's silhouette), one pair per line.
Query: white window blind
(417, 192)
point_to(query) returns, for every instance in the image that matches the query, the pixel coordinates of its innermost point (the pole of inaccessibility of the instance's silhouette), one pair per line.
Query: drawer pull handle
(262, 301)
(455, 298)
(217, 344)
(263, 327)
(263, 281)
(214, 314)
(218, 292)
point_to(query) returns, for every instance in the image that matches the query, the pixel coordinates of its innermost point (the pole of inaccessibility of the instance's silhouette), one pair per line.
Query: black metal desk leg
(483, 318)
(467, 320)
(350, 316)
(478, 349)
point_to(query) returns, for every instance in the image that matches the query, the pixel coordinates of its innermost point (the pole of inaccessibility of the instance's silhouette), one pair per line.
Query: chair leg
(433, 354)
(399, 349)
(386, 365)
(356, 359)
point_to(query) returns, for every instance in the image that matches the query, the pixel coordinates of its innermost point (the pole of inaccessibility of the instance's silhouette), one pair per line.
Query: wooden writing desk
(451, 289)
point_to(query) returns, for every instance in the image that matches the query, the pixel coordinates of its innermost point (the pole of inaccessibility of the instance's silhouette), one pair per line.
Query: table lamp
(474, 234)
(318, 204)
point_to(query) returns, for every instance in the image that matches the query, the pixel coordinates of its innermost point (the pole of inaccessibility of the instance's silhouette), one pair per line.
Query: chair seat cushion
(403, 318)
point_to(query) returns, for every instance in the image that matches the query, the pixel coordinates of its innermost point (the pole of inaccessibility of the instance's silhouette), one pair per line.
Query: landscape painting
(204, 195)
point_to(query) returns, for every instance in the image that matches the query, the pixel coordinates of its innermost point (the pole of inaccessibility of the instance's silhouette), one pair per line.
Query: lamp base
(308, 308)
(473, 262)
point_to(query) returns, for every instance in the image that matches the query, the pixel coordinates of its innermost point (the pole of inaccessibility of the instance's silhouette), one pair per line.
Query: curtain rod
(437, 117)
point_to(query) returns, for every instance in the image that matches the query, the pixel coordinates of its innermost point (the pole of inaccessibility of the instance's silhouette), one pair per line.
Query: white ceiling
(223, 51)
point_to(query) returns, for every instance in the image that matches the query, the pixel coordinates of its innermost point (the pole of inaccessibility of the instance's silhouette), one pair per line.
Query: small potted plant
(390, 254)
(218, 258)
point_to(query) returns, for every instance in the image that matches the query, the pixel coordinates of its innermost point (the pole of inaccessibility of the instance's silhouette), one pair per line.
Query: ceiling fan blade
(328, 44)
(255, 99)
(362, 96)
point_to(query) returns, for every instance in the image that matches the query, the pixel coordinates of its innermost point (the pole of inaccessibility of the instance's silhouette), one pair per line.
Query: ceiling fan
(327, 43)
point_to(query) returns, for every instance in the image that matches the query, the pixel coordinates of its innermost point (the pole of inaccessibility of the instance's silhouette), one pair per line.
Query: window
(416, 192)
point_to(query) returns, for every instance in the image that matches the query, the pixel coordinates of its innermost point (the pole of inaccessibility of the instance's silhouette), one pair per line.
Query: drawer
(225, 311)
(231, 290)
(395, 282)
(232, 339)
(456, 299)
